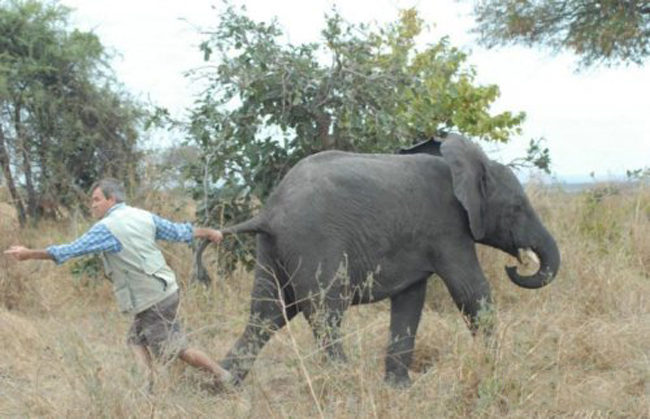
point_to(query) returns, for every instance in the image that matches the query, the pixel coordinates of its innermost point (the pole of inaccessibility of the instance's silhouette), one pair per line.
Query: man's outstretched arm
(24, 253)
(97, 239)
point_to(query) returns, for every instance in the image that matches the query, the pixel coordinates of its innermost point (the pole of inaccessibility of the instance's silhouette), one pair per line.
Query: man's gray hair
(111, 188)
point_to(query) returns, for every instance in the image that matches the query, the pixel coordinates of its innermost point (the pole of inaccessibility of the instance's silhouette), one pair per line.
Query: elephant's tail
(254, 225)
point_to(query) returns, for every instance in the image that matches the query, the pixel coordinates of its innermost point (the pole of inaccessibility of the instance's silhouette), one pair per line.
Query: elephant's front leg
(461, 272)
(405, 313)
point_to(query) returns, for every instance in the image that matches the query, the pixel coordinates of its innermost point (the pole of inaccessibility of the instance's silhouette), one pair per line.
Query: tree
(608, 32)
(63, 120)
(269, 103)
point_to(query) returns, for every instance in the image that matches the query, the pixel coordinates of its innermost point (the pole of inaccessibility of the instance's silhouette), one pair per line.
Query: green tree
(63, 119)
(609, 32)
(269, 103)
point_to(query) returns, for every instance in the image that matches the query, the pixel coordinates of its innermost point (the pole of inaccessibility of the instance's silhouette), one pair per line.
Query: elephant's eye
(518, 208)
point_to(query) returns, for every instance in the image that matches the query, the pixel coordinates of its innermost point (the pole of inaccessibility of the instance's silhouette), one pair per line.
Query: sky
(596, 123)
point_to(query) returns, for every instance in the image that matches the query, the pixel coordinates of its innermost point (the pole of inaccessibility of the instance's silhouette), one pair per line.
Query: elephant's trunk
(549, 256)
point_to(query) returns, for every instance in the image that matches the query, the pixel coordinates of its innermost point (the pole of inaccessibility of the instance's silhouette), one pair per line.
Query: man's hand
(213, 235)
(22, 253)
(18, 252)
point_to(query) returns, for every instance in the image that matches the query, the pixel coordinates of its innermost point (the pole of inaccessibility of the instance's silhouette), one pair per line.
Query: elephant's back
(340, 188)
(343, 169)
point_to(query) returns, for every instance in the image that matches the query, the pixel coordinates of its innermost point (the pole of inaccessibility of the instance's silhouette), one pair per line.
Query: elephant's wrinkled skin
(344, 228)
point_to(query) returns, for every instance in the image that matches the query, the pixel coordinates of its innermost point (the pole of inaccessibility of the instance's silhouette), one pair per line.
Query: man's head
(106, 193)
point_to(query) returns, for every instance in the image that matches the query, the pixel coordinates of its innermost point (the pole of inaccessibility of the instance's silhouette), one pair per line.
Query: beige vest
(139, 273)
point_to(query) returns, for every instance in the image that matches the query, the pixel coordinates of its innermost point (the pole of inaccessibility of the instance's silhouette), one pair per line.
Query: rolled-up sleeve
(171, 231)
(97, 239)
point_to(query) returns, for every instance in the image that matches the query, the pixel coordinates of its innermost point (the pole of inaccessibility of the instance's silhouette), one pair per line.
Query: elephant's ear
(469, 173)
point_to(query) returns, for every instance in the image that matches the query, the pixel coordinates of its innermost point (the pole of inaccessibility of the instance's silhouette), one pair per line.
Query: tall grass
(579, 348)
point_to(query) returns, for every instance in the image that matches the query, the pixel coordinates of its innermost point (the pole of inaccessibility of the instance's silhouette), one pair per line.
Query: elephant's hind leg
(405, 313)
(324, 310)
(325, 321)
(270, 311)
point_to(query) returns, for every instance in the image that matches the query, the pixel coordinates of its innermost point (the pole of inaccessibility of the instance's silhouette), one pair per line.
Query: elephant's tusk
(524, 255)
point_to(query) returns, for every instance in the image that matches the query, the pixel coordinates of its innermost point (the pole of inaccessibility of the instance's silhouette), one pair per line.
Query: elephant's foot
(398, 380)
(397, 368)
(236, 371)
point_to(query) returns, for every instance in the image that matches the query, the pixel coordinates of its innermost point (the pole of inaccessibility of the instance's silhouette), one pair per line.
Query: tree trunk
(6, 169)
(45, 179)
(323, 122)
(43, 158)
(32, 203)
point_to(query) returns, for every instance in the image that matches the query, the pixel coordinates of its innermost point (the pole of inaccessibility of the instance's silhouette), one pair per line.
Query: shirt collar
(114, 207)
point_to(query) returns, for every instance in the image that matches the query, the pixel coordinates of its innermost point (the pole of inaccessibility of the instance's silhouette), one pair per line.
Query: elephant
(343, 228)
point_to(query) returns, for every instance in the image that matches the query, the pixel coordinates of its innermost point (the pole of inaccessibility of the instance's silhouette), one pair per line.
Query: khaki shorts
(159, 329)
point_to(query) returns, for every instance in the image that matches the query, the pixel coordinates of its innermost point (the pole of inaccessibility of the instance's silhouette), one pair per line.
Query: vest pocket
(162, 280)
(124, 298)
(153, 264)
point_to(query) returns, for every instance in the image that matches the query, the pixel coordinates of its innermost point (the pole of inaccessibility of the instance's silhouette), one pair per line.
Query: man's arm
(23, 253)
(213, 235)
(97, 239)
(183, 232)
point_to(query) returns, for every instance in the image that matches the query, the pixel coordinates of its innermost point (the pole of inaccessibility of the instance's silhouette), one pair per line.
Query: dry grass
(579, 348)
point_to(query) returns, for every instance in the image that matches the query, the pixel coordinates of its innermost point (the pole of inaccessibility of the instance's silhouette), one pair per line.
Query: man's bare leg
(145, 360)
(200, 360)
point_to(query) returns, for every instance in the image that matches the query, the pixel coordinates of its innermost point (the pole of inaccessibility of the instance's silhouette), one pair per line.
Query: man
(143, 284)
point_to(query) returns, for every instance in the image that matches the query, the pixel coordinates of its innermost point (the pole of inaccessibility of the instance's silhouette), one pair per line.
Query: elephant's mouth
(528, 257)
(537, 265)
(528, 262)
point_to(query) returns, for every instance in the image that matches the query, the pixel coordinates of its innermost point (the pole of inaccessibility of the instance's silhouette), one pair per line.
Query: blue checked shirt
(99, 238)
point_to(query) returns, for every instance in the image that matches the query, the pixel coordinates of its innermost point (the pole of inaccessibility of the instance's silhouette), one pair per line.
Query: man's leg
(145, 360)
(166, 339)
(198, 359)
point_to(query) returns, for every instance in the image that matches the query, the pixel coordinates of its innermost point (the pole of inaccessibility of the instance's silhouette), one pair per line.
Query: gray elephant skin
(344, 228)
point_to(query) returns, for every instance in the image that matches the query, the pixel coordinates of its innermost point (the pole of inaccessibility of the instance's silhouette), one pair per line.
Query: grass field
(579, 348)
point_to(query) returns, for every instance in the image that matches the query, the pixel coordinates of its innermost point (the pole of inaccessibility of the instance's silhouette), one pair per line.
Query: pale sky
(597, 121)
